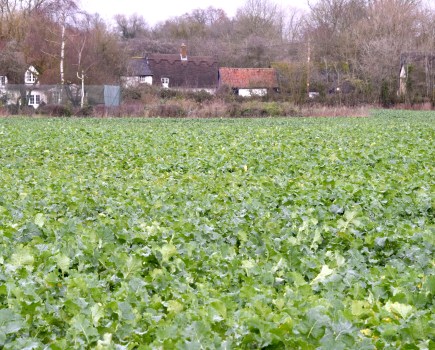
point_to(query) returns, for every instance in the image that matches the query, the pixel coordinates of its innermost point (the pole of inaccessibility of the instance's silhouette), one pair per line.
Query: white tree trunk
(82, 78)
(62, 61)
(82, 101)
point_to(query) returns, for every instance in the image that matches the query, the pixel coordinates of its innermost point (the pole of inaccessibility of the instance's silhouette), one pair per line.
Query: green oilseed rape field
(218, 234)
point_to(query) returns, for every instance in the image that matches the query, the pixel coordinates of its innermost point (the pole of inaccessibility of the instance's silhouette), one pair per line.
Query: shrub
(289, 110)
(200, 96)
(87, 111)
(226, 94)
(273, 109)
(55, 110)
(216, 109)
(253, 111)
(12, 109)
(168, 94)
(168, 110)
(27, 110)
(386, 97)
(131, 110)
(142, 93)
(4, 111)
(131, 93)
(234, 110)
(258, 109)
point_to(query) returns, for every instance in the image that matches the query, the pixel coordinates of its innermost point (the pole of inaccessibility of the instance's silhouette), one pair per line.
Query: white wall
(135, 81)
(14, 96)
(252, 92)
(42, 98)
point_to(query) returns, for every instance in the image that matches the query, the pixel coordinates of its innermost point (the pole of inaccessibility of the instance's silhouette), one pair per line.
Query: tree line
(347, 51)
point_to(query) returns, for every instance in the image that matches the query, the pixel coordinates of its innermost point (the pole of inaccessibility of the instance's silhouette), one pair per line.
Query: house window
(165, 82)
(34, 100)
(143, 78)
(3, 80)
(30, 78)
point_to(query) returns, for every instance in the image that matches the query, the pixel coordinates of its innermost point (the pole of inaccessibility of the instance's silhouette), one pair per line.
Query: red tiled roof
(248, 78)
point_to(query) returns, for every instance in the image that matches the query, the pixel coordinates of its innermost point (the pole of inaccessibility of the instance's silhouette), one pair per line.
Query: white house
(137, 73)
(12, 92)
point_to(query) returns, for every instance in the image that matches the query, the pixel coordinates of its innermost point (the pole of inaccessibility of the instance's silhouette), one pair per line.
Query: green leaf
(126, 311)
(298, 279)
(63, 262)
(97, 312)
(39, 220)
(105, 343)
(430, 284)
(23, 256)
(324, 272)
(248, 264)
(402, 310)
(132, 266)
(360, 307)
(220, 307)
(168, 251)
(82, 326)
(10, 322)
(313, 326)
(173, 306)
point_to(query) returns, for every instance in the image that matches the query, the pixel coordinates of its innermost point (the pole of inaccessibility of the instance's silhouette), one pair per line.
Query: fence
(66, 95)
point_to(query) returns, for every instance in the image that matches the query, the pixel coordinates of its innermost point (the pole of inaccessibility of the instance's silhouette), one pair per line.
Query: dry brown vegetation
(149, 102)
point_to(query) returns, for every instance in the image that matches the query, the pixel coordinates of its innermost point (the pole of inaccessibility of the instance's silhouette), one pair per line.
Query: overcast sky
(160, 10)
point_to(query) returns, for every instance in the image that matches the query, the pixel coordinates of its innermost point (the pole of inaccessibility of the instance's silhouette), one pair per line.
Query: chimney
(183, 52)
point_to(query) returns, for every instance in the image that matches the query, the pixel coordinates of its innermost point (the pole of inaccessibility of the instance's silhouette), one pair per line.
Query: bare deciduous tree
(259, 17)
(131, 27)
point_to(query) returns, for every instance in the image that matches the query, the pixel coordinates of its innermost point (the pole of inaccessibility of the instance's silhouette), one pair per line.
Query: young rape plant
(218, 234)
